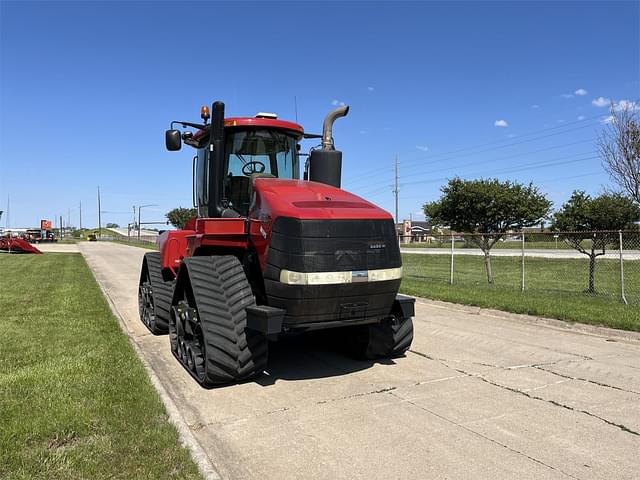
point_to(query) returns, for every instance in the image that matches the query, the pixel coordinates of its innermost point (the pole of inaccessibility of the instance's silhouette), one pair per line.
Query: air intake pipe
(216, 161)
(325, 164)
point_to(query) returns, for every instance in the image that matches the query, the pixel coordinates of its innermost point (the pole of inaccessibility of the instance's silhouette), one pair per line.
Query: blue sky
(87, 89)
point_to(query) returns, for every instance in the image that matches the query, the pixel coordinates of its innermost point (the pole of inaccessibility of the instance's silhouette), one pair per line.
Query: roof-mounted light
(204, 113)
(272, 116)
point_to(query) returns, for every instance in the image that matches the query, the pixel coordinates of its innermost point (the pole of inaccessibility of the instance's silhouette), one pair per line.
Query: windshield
(265, 151)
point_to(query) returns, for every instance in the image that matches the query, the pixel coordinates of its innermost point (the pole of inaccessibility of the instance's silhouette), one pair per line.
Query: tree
(113, 225)
(487, 208)
(619, 147)
(584, 218)
(178, 217)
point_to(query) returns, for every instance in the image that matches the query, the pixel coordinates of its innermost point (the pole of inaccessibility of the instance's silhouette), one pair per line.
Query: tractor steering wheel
(250, 168)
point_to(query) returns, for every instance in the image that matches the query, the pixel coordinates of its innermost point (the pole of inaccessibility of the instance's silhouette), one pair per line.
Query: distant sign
(45, 224)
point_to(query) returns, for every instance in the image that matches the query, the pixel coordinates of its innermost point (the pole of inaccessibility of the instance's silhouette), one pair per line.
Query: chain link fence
(600, 263)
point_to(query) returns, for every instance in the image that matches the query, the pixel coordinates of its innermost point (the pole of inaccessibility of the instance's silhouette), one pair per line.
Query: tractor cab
(253, 147)
(256, 151)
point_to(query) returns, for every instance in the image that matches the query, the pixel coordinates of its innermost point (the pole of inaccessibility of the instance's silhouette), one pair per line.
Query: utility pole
(396, 190)
(99, 216)
(68, 217)
(61, 228)
(80, 214)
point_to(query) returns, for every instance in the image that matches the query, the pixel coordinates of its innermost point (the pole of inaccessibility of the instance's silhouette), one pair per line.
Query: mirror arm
(200, 126)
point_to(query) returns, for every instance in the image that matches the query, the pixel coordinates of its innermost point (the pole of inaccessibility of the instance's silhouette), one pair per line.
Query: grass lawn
(553, 288)
(135, 243)
(75, 400)
(510, 245)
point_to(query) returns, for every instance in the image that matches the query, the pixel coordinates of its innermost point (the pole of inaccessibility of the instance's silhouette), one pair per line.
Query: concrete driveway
(479, 396)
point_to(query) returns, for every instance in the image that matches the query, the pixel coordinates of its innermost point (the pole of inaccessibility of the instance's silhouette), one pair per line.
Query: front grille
(331, 245)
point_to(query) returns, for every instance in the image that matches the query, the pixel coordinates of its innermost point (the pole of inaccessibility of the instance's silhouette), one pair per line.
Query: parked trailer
(17, 245)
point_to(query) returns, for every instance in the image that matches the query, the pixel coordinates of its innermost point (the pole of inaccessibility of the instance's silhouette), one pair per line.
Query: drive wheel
(154, 295)
(207, 329)
(389, 339)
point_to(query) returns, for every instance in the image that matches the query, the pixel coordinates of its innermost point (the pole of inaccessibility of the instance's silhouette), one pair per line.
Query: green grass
(553, 288)
(510, 245)
(135, 243)
(75, 400)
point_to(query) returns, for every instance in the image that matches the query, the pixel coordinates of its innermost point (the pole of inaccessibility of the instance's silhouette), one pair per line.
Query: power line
(512, 143)
(531, 166)
(479, 162)
(514, 170)
(434, 158)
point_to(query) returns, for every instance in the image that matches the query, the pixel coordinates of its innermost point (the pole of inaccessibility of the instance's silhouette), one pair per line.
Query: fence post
(624, 299)
(522, 279)
(451, 273)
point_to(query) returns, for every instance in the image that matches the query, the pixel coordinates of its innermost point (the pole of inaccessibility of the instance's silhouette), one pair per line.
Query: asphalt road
(478, 396)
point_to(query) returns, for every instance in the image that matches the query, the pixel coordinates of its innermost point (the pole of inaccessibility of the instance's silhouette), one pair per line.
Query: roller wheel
(207, 328)
(389, 339)
(154, 295)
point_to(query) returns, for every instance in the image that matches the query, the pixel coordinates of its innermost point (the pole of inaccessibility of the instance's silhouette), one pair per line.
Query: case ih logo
(377, 246)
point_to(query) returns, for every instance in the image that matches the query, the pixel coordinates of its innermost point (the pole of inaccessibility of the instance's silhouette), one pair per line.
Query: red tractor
(269, 254)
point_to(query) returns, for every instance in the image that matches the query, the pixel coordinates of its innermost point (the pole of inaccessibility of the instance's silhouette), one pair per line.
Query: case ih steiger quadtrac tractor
(270, 254)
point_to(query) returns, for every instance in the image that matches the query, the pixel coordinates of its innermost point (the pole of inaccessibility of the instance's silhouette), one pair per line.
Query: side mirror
(173, 140)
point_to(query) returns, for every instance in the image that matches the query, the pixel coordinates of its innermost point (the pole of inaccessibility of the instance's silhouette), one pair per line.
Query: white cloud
(362, 132)
(535, 106)
(371, 89)
(581, 117)
(511, 135)
(625, 105)
(334, 102)
(560, 121)
(601, 102)
(424, 148)
(500, 123)
(581, 92)
(608, 119)
(567, 95)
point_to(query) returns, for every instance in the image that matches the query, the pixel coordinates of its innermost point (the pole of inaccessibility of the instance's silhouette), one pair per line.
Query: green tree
(112, 225)
(585, 222)
(488, 209)
(178, 217)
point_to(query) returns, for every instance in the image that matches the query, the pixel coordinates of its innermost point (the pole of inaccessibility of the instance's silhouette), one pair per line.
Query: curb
(555, 324)
(187, 439)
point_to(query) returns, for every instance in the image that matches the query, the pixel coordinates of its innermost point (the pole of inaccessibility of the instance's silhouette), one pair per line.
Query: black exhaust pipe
(217, 204)
(325, 165)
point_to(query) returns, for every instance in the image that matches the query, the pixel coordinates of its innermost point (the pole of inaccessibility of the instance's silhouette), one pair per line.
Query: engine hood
(303, 199)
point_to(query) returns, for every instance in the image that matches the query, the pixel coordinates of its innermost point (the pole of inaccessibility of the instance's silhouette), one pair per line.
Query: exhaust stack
(325, 165)
(327, 126)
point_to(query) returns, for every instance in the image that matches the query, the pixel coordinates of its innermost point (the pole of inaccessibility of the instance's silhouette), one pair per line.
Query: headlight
(385, 274)
(333, 278)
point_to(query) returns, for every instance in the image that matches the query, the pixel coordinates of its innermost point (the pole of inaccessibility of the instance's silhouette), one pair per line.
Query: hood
(310, 200)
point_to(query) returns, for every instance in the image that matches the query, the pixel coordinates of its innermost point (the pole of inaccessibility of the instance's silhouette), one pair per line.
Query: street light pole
(140, 208)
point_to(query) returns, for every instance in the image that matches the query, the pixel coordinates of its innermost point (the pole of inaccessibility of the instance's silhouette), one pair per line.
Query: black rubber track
(222, 294)
(162, 292)
(384, 340)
